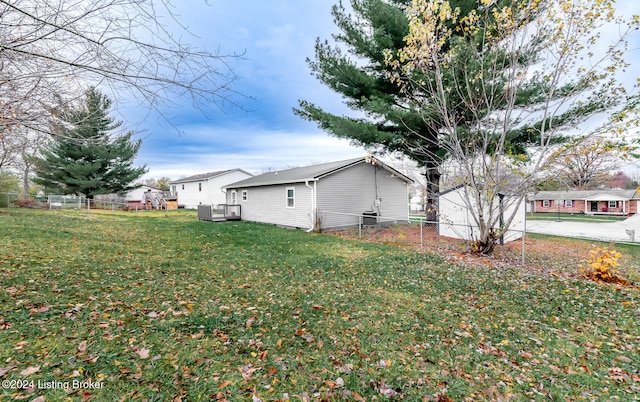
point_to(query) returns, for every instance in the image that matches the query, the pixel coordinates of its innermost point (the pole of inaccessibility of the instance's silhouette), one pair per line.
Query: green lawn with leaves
(172, 308)
(549, 216)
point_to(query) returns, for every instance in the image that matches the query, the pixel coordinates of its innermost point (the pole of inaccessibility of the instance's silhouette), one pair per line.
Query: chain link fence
(8, 200)
(417, 231)
(72, 202)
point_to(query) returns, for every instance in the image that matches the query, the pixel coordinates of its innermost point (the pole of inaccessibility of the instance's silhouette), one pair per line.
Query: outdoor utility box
(172, 203)
(204, 212)
(369, 218)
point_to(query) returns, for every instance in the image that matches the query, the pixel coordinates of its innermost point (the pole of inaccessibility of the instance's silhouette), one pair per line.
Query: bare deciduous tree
(533, 70)
(60, 47)
(588, 162)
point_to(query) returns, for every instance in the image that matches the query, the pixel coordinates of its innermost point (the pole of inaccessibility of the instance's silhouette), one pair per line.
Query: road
(608, 231)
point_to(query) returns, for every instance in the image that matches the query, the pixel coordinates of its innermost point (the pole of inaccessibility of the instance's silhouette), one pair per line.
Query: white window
(613, 204)
(291, 197)
(234, 197)
(245, 195)
(568, 203)
(546, 203)
(199, 186)
(183, 186)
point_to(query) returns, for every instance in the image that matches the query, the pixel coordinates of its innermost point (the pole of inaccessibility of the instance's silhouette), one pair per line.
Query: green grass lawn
(157, 308)
(574, 217)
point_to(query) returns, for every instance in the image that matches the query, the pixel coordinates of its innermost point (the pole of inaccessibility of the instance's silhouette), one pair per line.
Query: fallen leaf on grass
(617, 374)
(82, 347)
(331, 384)
(358, 397)
(247, 371)
(347, 368)
(526, 355)
(5, 370)
(20, 345)
(42, 309)
(224, 384)
(250, 322)
(143, 353)
(384, 363)
(263, 355)
(387, 392)
(624, 359)
(30, 370)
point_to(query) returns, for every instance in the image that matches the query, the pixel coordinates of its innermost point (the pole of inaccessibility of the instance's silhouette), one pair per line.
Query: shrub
(601, 265)
(22, 202)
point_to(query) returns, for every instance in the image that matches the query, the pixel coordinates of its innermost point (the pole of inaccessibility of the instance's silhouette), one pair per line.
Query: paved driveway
(609, 231)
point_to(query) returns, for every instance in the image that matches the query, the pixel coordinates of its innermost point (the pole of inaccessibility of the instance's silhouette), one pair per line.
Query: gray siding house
(325, 196)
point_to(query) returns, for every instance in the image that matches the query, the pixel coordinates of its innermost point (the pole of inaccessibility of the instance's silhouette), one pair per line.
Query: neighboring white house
(456, 220)
(324, 196)
(136, 194)
(205, 188)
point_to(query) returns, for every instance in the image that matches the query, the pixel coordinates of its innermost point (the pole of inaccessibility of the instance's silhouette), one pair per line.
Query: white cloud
(263, 149)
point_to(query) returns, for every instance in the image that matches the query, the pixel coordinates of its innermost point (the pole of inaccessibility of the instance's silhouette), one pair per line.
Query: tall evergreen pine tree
(87, 156)
(356, 67)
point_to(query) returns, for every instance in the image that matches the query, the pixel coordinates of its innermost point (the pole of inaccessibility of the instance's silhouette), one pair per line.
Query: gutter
(313, 203)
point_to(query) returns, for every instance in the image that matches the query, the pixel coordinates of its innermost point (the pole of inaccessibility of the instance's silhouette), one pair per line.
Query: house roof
(588, 195)
(313, 172)
(206, 176)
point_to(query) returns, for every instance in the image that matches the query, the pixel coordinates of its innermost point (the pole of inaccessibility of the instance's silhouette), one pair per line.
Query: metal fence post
(359, 226)
(421, 238)
(523, 234)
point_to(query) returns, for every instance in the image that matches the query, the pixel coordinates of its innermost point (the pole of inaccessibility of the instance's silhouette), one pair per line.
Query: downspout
(313, 204)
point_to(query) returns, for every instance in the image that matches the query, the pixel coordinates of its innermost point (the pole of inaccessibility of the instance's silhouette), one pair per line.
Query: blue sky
(276, 37)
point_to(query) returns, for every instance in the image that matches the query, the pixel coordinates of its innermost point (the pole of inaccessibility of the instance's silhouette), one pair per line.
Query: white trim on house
(291, 199)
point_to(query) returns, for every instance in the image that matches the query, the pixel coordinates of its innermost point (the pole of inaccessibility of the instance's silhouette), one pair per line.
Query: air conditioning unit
(204, 212)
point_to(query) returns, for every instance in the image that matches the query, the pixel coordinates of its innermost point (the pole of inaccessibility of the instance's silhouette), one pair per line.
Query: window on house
(183, 186)
(568, 203)
(234, 197)
(245, 195)
(291, 196)
(613, 204)
(199, 186)
(546, 203)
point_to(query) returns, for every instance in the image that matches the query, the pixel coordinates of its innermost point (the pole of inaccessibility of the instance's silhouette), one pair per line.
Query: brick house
(592, 202)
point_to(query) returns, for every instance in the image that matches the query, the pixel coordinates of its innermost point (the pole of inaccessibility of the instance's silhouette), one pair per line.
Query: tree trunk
(432, 175)
(486, 244)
